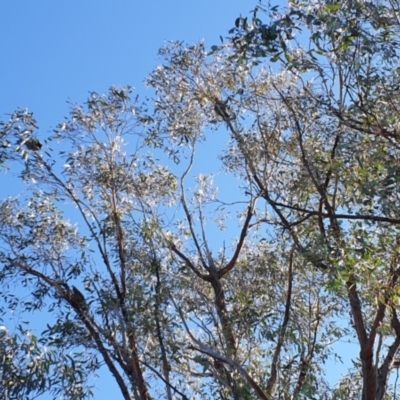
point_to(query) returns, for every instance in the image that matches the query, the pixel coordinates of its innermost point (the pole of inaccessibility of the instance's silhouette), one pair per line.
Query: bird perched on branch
(74, 296)
(33, 144)
(221, 109)
(77, 298)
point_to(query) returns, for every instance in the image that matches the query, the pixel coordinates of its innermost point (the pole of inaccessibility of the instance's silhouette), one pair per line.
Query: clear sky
(54, 51)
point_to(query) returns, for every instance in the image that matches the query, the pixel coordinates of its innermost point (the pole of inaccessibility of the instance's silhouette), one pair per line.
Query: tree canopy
(182, 290)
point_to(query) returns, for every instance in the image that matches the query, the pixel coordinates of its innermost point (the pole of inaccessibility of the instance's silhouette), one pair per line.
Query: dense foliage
(182, 290)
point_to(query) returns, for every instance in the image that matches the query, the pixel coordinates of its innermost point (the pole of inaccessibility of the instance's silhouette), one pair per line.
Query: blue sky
(58, 50)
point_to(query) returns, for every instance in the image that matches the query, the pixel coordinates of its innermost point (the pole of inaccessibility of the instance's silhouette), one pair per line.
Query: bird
(221, 109)
(77, 297)
(33, 144)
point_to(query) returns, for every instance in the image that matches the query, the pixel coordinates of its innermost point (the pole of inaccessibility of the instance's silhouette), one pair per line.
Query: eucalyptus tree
(336, 121)
(143, 267)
